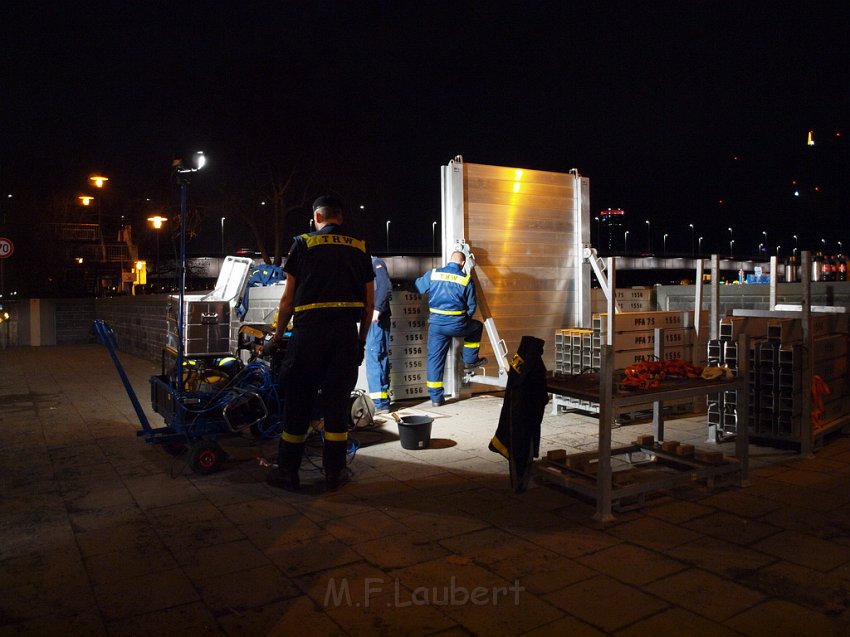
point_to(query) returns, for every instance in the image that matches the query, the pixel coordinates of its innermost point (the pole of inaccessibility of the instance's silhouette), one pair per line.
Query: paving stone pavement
(103, 534)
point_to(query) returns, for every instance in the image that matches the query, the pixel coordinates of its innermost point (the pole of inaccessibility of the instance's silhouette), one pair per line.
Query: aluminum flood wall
(527, 230)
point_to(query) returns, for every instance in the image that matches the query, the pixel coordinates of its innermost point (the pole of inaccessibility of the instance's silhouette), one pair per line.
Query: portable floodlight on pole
(183, 170)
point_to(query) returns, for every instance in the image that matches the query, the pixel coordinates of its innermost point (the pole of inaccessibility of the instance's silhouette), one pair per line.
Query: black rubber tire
(207, 457)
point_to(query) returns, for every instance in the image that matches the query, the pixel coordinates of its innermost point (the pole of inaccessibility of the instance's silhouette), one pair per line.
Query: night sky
(670, 108)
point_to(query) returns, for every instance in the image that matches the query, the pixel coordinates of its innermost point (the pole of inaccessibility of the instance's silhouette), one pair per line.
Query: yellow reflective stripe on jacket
(449, 312)
(379, 394)
(448, 276)
(293, 438)
(313, 240)
(434, 384)
(472, 345)
(336, 437)
(331, 304)
(500, 447)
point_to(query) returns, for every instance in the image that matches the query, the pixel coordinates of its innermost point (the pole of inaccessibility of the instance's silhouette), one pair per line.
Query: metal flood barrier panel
(527, 230)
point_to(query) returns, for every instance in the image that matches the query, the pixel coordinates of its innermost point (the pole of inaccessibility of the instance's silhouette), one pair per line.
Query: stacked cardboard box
(637, 299)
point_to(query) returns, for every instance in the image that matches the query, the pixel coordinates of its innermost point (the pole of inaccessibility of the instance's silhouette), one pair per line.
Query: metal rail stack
(776, 385)
(722, 407)
(408, 345)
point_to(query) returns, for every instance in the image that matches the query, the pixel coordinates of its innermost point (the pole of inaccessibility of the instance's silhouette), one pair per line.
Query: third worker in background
(378, 340)
(451, 304)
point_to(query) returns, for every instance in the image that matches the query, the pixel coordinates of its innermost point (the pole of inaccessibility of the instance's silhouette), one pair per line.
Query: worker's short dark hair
(328, 201)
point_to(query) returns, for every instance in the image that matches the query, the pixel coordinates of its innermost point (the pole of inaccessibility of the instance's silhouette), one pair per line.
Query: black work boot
(285, 474)
(284, 479)
(335, 479)
(480, 362)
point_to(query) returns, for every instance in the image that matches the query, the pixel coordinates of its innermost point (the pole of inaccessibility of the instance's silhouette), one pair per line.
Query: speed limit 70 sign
(6, 247)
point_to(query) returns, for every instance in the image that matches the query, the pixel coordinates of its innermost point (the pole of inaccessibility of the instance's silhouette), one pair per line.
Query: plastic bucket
(415, 432)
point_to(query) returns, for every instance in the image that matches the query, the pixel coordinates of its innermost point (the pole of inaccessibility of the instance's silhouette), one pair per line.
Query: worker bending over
(329, 288)
(451, 304)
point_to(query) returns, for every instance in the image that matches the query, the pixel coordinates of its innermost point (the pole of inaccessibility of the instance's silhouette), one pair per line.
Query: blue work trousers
(378, 362)
(439, 339)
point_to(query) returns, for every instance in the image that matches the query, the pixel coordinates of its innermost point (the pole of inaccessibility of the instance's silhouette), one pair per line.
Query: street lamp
(156, 222)
(598, 231)
(434, 237)
(222, 235)
(700, 246)
(692, 239)
(388, 235)
(839, 248)
(823, 244)
(764, 235)
(98, 181)
(731, 248)
(183, 167)
(626, 242)
(665, 243)
(777, 251)
(648, 236)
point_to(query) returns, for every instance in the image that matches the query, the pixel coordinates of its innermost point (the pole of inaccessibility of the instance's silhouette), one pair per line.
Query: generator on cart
(213, 398)
(206, 391)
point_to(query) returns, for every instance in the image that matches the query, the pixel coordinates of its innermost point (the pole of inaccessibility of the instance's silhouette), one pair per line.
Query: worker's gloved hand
(361, 352)
(270, 346)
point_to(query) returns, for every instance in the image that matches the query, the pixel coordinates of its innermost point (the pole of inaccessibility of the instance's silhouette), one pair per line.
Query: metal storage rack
(600, 485)
(600, 388)
(800, 341)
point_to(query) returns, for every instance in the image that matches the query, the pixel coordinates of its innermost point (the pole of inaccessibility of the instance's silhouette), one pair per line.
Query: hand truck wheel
(207, 457)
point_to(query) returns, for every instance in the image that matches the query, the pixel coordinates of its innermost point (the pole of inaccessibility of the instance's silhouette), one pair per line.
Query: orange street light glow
(98, 180)
(157, 221)
(85, 200)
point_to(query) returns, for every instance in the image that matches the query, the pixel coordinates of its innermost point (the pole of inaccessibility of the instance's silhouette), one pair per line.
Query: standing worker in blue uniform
(451, 304)
(329, 289)
(378, 340)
